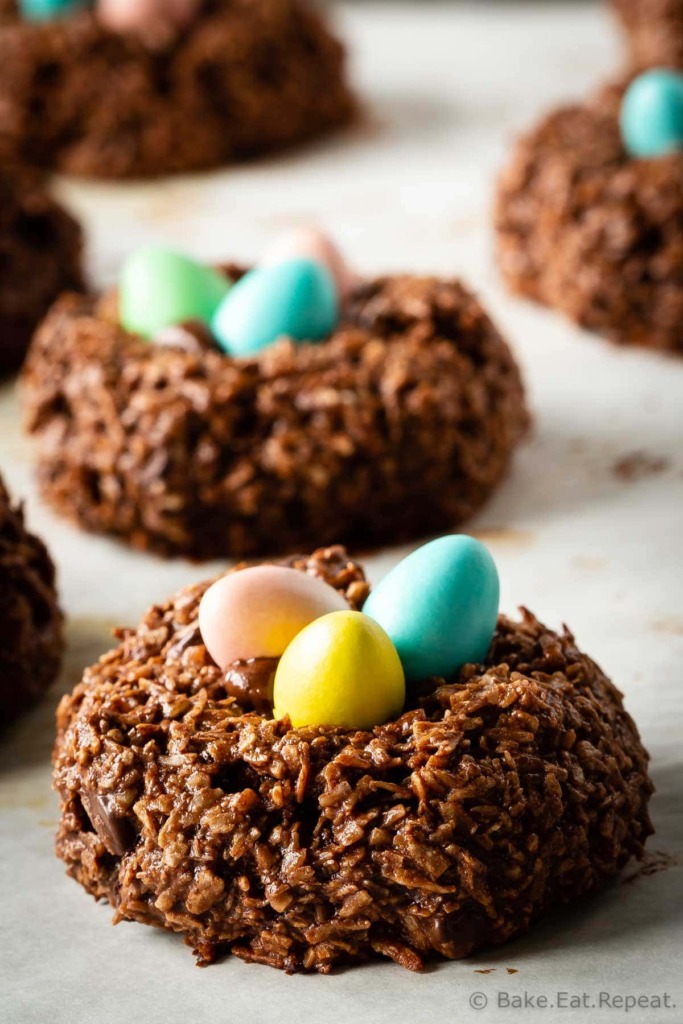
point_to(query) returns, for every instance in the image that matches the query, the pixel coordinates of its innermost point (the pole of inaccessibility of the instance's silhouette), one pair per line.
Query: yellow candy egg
(342, 670)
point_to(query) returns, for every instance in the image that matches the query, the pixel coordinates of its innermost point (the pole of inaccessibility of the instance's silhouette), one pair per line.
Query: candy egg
(309, 243)
(145, 15)
(652, 113)
(297, 299)
(439, 606)
(46, 10)
(256, 612)
(341, 670)
(159, 287)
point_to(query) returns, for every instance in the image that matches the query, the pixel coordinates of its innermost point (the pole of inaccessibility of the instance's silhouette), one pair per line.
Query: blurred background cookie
(587, 224)
(211, 415)
(40, 257)
(30, 619)
(654, 29)
(116, 90)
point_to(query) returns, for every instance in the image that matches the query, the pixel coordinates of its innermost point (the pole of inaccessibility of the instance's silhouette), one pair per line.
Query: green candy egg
(296, 299)
(439, 606)
(160, 287)
(341, 670)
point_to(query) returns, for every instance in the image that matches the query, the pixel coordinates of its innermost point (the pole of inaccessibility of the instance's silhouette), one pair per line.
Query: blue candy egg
(652, 113)
(47, 10)
(297, 299)
(439, 606)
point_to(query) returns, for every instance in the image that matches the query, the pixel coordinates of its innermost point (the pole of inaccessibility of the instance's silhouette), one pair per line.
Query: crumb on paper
(668, 624)
(589, 562)
(651, 864)
(504, 535)
(640, 464)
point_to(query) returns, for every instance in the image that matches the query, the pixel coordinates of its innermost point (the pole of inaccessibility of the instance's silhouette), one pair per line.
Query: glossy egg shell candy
(256, 612)
(439, 606)
(133, 16)
(312, 244)
(342, 670)
(159, 287)
(652, 114)
(297, 299)
(47, 10)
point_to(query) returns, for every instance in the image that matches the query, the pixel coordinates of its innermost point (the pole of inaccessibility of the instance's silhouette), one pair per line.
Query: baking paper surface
(578, 538)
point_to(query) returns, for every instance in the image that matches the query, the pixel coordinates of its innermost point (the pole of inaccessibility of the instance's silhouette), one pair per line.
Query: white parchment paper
(446, 86)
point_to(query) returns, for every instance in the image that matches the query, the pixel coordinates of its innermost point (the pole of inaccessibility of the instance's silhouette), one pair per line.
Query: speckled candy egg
(297, 299)
(47, 10)
(342, 670)
(652, 114)
(256, 612)
(439, 606)
(311, 244)
(160, 287)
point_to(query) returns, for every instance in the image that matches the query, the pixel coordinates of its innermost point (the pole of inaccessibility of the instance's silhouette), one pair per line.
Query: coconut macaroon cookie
(273, 772)
(41, 252)
(30, 620)
(211, 413)
(139, 88)
(589, 213)
(654, 29)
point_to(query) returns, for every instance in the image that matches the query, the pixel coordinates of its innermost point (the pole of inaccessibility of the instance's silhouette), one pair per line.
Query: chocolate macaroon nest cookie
(514, 787)
(586, 228)
(30, 619)
(654, 29)
(40, 257)
(244, 78)
(399, 423)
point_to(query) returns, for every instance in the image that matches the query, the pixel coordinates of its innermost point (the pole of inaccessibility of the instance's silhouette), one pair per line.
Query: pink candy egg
(145, 16)
(311, 244)
(257, 612)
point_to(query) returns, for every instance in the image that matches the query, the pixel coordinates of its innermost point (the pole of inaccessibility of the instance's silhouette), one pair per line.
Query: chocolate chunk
(251, 683)
(116, 833)
(191, 336)
(190, 637)
(455, 935)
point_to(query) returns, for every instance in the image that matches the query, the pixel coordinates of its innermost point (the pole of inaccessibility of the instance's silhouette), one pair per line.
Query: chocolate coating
(654, 29)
